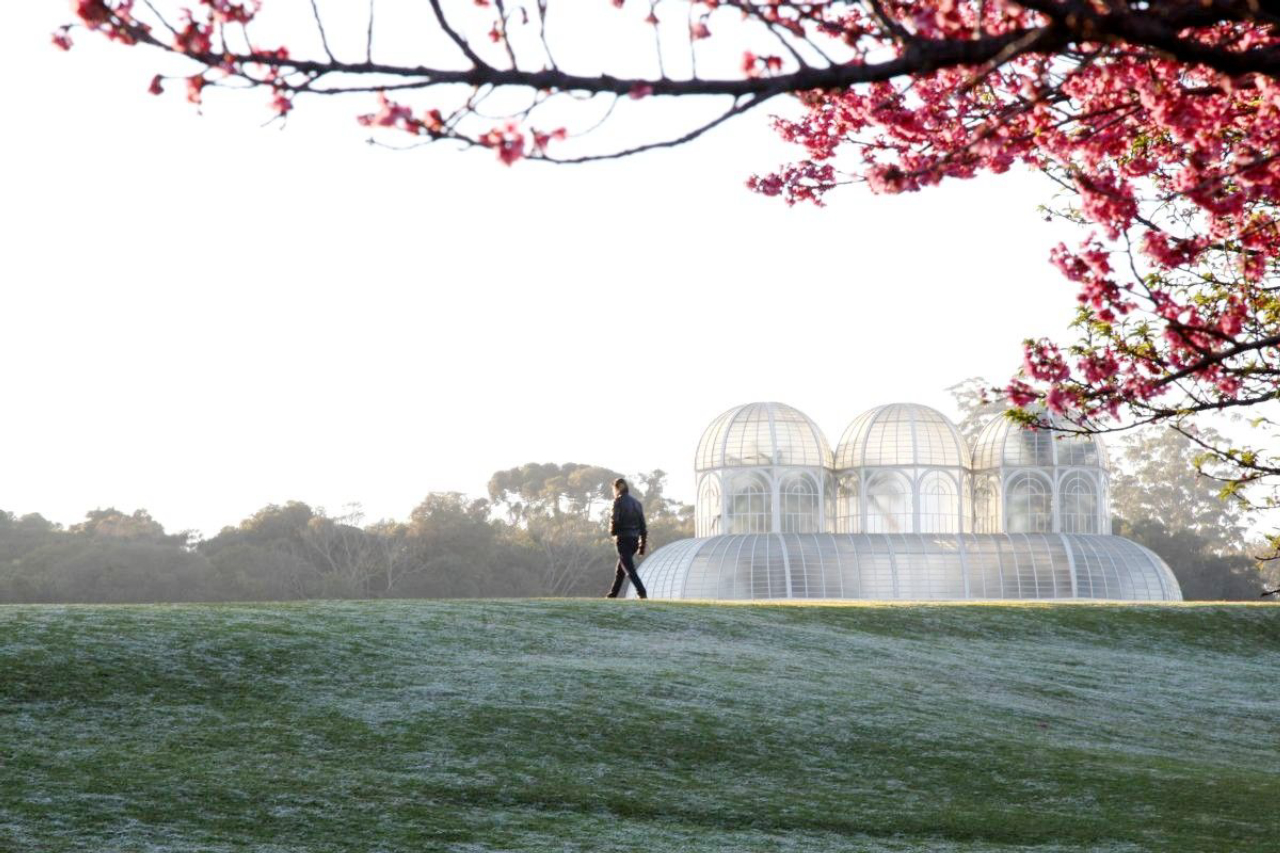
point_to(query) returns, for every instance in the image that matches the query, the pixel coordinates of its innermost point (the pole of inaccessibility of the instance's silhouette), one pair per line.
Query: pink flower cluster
(1178, 162)
(396, 115)
(112, 18)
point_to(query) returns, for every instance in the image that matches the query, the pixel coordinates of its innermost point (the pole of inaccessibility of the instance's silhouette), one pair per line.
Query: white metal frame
(855, 467)
(995, 437)
(774, 476)
(840, 508)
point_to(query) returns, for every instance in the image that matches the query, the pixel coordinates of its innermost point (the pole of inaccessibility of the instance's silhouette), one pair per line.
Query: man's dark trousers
(627, 546)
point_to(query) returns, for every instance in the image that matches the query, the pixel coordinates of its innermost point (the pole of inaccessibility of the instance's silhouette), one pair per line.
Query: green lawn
(646, 726)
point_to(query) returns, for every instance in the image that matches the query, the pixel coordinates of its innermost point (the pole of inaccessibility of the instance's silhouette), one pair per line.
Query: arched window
(888, 504)
(709, 507)
(799, 503)
(750, 505)
(1079, 504)
(1029, 505)
(986, 505)
(849, 517)
(939, 504)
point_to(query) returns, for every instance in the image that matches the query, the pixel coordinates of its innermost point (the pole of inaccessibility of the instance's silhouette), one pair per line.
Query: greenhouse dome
(902, 434)
(762, 434)
(1003, 442)
(762, 468)
(1039, 481)
(903, 468)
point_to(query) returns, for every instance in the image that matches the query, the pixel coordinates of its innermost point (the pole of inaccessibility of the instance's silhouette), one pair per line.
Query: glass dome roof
(1005, 443)
(902, 434)
(762, 434)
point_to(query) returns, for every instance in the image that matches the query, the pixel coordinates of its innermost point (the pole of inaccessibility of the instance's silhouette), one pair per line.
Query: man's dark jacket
(628, 518)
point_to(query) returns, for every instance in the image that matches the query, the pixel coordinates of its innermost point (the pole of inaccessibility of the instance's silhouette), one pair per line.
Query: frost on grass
(605, 726)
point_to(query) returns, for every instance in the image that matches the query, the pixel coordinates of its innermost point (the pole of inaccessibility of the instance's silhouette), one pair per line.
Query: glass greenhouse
(904, 509)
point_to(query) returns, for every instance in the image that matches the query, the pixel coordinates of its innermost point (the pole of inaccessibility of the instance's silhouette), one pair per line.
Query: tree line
(542, 530)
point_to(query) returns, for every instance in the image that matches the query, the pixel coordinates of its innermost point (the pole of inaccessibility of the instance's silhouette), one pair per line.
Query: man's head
(620, 486)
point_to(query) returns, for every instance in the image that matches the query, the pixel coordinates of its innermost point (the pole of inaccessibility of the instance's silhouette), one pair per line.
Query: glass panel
(1079, 504)
(1053, 567)
(888, 503)
(829, 563)
(800, 442)
(750, 504)
(939, 503)
(849, 519)
(799, 501)
(760, 435)
(1028, 447)
(1077, 450)
(982, 556)
(830, 495)
(889, 439)
(1029, 505)
(987, 449)
(986, 505)
(853, 440)
(709, 446)
(928, 568)
(709, 506)
(875, 566)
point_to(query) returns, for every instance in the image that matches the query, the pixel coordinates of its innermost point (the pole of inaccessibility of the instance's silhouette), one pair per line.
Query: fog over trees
(540, 530)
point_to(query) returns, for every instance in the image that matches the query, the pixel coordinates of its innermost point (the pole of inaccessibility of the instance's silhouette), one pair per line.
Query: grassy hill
(646, 726)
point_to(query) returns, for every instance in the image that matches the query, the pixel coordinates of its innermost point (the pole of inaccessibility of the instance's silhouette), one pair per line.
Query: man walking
(626, 526)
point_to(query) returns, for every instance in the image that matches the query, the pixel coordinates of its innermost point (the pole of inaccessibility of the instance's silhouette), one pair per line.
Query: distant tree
(244, 571)
(110, 556)
(560, 511)
(274, 524)
(139, 526)
(20, 535)
(552, 541)
(350, 559)
(1204, 573)
(105, 569)
(454, 549)
(393, 562)
(1271, 577)
(550, 489)
(1156, 478)
(977, 404)
(669, 520)
(574, 550)
(273, 539)
(1162, 501)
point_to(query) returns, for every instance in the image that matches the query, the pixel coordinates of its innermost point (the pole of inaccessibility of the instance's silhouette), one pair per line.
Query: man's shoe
(611, 595)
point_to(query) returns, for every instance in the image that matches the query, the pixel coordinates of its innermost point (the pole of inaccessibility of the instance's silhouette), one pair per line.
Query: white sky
(201, 316)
